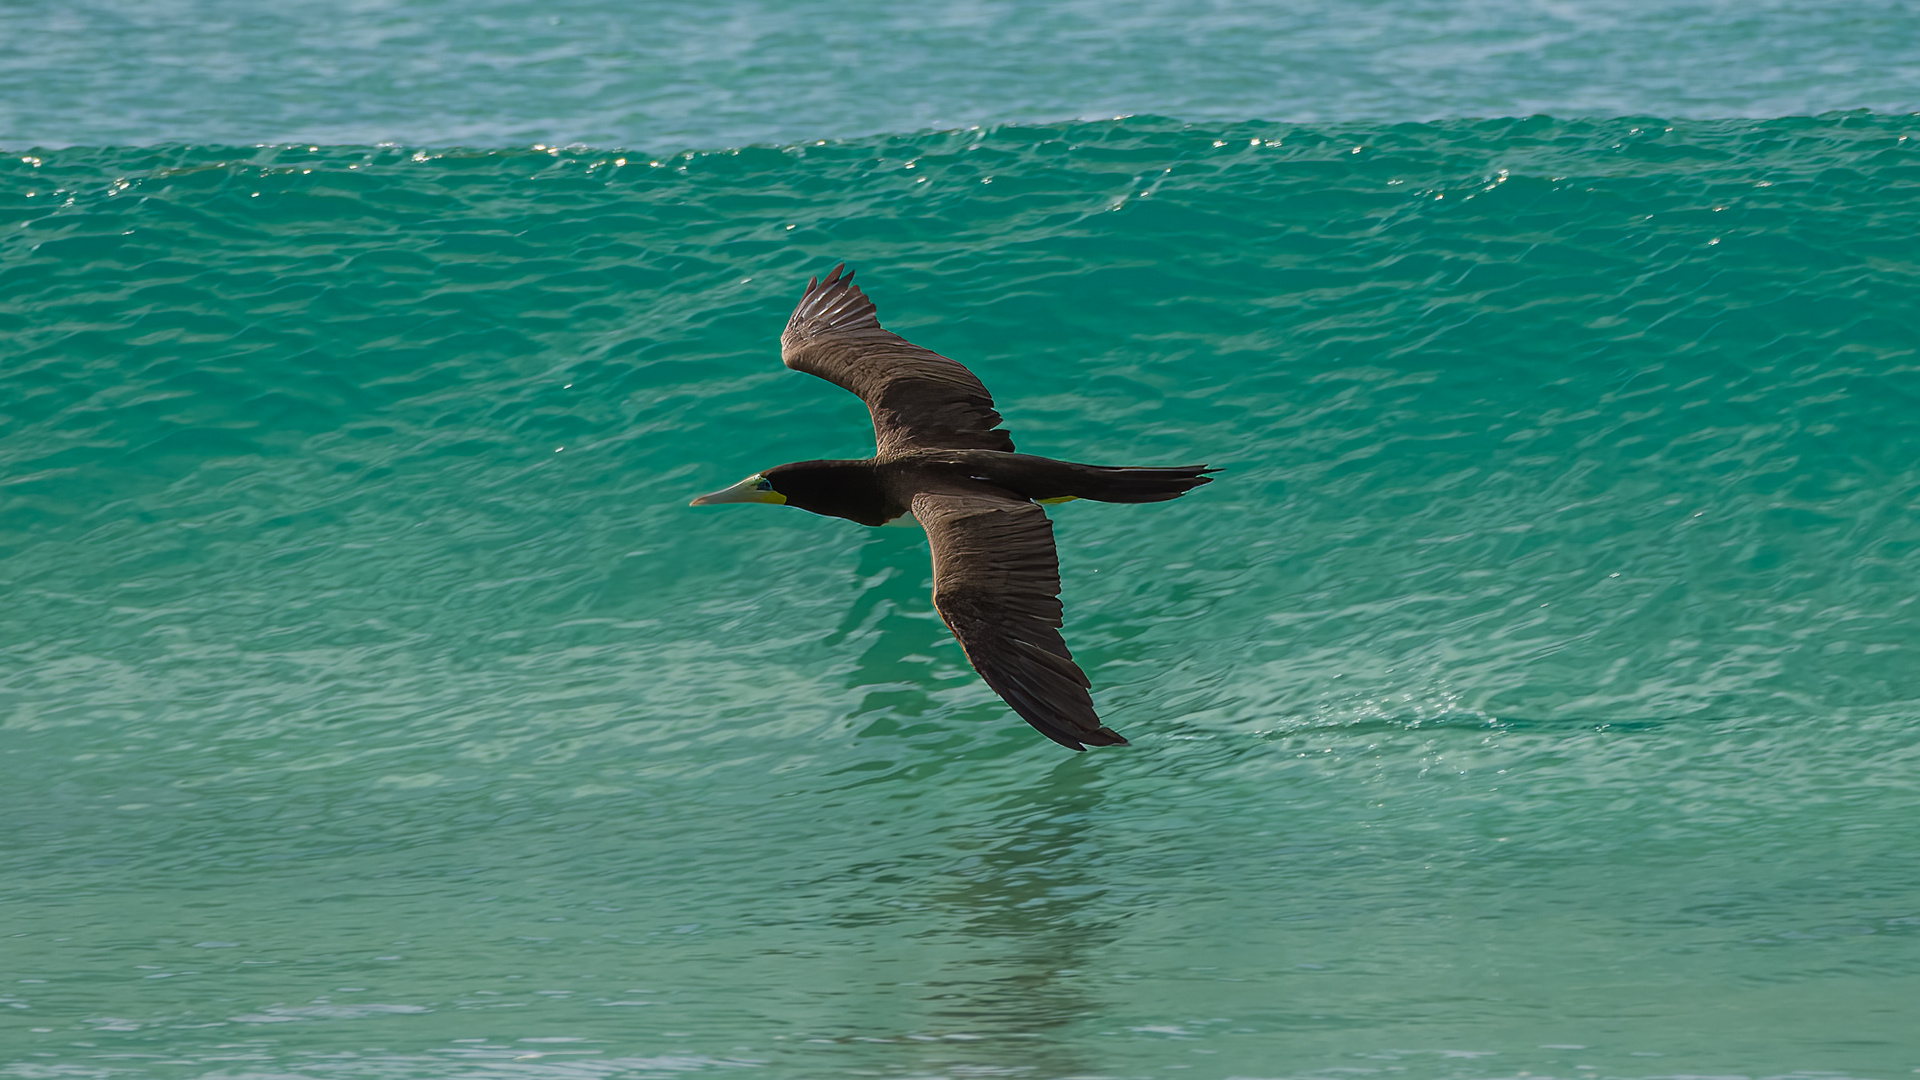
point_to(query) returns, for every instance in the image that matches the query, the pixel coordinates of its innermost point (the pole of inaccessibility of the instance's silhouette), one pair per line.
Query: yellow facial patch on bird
(1056, 502)
(754, 489)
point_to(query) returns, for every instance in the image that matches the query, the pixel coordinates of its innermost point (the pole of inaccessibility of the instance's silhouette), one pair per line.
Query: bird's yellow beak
(750, 490)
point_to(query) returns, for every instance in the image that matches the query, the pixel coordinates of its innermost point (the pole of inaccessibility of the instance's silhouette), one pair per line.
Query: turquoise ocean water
(1535, 694)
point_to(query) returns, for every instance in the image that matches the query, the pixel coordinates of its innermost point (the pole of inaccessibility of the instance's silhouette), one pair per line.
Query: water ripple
(1543, 656)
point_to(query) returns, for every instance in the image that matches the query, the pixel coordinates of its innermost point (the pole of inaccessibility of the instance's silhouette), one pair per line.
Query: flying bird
(942, 459)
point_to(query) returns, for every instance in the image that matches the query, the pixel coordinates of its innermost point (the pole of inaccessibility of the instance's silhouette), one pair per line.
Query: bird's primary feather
(918, 398)
(996, 582)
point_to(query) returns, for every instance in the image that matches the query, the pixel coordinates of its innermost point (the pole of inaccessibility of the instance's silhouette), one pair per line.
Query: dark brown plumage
(942, 458)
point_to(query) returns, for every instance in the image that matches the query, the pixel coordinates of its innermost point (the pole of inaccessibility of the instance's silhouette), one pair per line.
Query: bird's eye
(764, 485)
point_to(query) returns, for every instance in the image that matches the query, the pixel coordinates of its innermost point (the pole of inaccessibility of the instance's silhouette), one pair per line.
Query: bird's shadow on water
(904, 653)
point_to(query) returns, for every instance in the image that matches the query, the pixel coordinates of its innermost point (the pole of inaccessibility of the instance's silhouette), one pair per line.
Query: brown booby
(942, 459)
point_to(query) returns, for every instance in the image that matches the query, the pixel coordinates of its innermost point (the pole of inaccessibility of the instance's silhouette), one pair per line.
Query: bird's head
(757, 488)
(833, 488)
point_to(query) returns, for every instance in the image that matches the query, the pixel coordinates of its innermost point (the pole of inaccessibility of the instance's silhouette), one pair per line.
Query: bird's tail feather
(1124, 485)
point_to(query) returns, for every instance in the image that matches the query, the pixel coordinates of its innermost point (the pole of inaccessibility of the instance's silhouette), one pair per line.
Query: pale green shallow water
(1534, 695)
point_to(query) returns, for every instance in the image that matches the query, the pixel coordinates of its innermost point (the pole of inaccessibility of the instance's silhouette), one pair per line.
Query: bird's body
(881, 489)
(942, 460)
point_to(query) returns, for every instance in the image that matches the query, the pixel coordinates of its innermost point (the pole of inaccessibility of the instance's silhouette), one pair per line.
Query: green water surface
(1535, 694)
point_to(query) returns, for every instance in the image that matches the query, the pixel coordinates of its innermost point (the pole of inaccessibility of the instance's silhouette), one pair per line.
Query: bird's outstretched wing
(919, 399)
(996, 581)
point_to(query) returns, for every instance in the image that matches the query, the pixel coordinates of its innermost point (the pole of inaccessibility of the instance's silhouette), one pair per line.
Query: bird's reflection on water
(1009, 890)
(979, 942)
(1026, 908)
